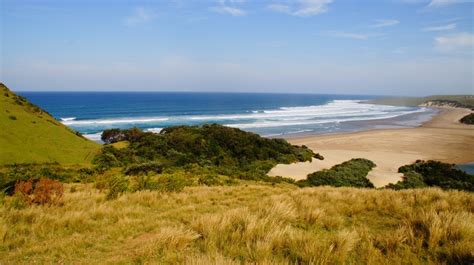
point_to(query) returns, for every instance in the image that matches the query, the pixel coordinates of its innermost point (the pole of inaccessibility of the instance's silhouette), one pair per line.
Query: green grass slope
(30, 135)
(466, 101)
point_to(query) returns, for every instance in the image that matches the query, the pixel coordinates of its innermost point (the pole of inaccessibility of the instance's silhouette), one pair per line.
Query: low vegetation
(352, 173)
(200, 195)
(219, 149)
(43, 191)
(244, 223)
(460, 101)
(468, 119)
(434, 174)
(29, 134)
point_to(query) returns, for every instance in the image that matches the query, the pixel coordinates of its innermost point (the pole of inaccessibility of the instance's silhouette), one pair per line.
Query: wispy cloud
(455, 43)
(440, 28)
(229, 7)
(348, 35)
(139, 15)
(441, 3)
(380, 23)
(229, 10)
(301, 8)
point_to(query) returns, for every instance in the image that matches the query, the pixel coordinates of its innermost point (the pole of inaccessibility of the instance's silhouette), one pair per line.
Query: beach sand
(442, 138)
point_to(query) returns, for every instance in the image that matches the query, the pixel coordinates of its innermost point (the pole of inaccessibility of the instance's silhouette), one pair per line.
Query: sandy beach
(442, 138)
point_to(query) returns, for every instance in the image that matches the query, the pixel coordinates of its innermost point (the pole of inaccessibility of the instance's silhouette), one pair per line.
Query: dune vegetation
(245, 223)
(468, 119)
(28, 134)
(352, 173)
(459, 101)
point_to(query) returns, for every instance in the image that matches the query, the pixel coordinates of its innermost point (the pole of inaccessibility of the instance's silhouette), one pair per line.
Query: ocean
(270, 115)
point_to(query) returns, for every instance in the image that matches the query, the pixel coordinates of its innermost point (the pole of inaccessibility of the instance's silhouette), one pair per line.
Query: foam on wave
(335, 111)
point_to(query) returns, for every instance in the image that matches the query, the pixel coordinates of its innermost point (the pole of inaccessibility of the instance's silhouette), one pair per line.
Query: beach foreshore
(442, 138)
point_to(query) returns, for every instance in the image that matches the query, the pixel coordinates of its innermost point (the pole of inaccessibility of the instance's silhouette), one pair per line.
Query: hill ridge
(29, 134)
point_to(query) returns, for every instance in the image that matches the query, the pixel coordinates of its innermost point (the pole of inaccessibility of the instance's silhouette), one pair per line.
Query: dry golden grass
(252, 223)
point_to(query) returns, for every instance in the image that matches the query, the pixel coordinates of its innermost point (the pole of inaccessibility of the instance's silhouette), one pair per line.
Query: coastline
(441, 138)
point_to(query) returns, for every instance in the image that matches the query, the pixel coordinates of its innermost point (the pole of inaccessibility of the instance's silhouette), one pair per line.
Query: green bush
(116, 185)
(352, 173)
(141, 182)
(411, 180)
(107, 158)
(220, 149)
(437, 174)
(468, 119)
(9, 175)
(210, 180)
(144, 168)
(171, 183)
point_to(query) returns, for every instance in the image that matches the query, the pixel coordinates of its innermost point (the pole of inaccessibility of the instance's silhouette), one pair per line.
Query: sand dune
(443, 138)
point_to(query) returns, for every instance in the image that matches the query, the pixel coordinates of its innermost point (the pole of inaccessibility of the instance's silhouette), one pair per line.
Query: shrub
(43, 191)
(13, 173)
(112, 136)
(351, 173)
(435, 173)
(172, 183)
(117, 185)
(410, 180)
(229, 150)
(318, 156)
(210, 180)
(144, 168)
(106, 159)
(468, 119)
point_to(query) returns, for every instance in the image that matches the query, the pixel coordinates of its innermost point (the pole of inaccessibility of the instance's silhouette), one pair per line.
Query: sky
(371, 47)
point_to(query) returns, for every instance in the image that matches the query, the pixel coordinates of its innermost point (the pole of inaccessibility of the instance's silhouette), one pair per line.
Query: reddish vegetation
(42, 191)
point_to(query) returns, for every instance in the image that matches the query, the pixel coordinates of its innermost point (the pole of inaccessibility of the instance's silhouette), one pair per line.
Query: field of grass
(30, 135)
(245, 223)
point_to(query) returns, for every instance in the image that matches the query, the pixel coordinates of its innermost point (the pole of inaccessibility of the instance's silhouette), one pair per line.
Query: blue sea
(271, 115)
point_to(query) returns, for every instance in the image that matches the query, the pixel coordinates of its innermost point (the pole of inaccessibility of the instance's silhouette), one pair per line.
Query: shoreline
(441, 138)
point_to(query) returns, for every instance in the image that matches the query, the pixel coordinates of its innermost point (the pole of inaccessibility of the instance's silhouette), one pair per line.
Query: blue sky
(392, 47)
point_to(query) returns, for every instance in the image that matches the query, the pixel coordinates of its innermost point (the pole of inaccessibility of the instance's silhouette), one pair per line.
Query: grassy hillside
(30, 135)
(466, 100)
(248, 223)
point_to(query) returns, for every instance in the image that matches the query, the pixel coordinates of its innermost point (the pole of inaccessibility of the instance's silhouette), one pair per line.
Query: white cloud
(380, 23)
(229, 7)
(301, 8)
(349, 35)
(229, 10)
(440, 3)
(440, 28)
(461, 42)
(138, 16)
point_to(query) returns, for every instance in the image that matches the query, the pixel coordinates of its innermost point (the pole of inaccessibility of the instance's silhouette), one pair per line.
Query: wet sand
(442, 138)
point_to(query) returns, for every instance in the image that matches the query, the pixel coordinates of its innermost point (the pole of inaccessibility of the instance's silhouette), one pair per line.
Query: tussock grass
(249, 223)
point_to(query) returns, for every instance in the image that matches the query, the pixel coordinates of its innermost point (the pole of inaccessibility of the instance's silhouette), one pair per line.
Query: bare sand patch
(443, 138)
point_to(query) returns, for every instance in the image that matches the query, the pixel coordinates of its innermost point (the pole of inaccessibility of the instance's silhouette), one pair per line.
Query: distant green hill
(466, 101)
(28, 134)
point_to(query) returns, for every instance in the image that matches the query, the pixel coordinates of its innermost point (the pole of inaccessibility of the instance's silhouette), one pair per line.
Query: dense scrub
(352, 173)
(227, 151)
(434, 174)
(244, 224)
(10, 175)
(43, 191)
(468, 119)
